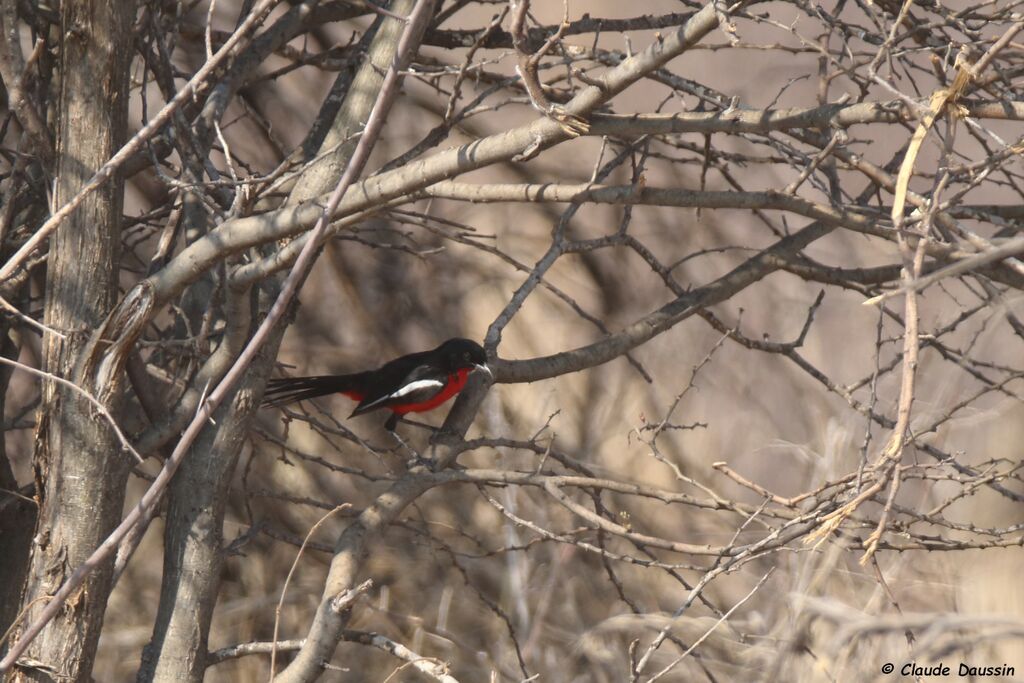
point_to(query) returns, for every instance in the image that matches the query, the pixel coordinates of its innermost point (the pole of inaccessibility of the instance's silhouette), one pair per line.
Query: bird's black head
(463, 353)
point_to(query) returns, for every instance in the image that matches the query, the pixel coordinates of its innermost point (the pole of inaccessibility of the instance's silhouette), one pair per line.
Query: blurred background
(503, 582)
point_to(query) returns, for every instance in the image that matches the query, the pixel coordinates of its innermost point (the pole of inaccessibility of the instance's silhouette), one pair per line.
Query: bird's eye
(465, 355)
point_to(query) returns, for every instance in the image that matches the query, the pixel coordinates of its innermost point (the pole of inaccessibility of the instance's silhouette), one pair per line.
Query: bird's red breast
(456, 381)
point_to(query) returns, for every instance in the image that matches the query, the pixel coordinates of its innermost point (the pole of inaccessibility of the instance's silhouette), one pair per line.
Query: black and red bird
(409, 384)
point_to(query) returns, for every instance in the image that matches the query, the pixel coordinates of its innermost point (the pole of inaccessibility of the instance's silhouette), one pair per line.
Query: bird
(413, 383)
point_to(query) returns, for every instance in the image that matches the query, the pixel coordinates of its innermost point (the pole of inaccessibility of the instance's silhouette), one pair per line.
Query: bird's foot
(415, 459)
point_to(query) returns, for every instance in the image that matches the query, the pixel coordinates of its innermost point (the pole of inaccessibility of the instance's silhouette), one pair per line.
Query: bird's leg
(415, 459)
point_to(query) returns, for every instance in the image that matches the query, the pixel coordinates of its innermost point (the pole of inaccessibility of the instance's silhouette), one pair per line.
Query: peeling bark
(80, 468)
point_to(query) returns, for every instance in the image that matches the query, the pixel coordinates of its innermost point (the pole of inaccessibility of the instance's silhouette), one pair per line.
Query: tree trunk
(193, 532)
(17, 516)
(80, 467)
(193, 538)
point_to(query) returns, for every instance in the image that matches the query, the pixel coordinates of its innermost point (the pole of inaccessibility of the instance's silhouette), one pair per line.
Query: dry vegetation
(707, 456)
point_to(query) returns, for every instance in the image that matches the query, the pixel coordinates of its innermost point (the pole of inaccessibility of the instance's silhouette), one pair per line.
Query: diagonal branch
(236, 235)
(107, 171)
(146, 507)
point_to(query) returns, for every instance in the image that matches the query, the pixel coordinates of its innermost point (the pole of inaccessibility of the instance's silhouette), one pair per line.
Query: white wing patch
(404, 391)
(416, 386)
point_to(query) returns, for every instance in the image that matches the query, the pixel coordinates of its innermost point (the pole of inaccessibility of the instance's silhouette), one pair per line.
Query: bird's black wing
(403, 383)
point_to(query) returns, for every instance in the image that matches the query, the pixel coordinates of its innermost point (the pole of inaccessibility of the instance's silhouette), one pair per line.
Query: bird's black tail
(283, 390)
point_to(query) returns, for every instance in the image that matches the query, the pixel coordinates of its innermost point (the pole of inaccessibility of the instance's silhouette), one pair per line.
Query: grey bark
(241, 233)
(322, 176)
(80, 468)
(193, 557)
(193, 542)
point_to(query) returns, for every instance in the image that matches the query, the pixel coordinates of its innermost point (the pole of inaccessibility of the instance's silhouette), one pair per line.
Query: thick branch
(823, 117)
(234, 236)
(664, 318)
